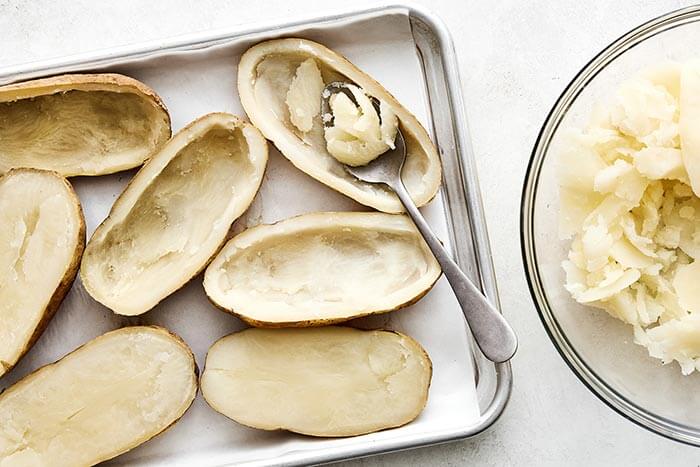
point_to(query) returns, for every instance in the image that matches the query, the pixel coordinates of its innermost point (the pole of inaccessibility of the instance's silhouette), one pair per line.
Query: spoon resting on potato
(492, 333)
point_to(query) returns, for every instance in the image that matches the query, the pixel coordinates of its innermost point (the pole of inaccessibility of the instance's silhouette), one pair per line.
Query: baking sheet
(192, 84)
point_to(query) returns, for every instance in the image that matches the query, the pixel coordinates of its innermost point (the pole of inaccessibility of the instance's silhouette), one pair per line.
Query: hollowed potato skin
(89, 145)
(138, 236)
(297, 229)
(422, 172)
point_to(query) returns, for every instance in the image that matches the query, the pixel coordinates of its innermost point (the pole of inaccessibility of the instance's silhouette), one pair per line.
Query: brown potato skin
(68, 278)
(87, 82)
(240, 120)
(425, 398)
(176, 337)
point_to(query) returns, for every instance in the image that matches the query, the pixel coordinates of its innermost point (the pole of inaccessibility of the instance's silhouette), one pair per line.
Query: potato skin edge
(319, 322)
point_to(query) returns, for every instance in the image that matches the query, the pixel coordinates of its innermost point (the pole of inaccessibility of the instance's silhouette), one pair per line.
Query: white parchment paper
(198, 82)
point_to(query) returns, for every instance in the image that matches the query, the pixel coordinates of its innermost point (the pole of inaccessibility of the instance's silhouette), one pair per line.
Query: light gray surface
(515, 57)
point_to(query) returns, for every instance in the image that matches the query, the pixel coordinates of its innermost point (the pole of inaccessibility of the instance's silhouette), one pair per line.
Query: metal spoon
(492, 333)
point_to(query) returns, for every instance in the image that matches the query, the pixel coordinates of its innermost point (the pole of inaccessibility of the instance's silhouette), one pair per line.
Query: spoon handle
(492, 333)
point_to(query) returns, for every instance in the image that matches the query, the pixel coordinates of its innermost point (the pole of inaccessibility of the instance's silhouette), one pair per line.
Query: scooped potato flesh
(629, 184)
(355, 132)
(159, 236)
(322, 271)
(359, 133)
(688, 121)
(103, 399)
(331, 381)
(41, 231)
(78, 132)
(304, 95)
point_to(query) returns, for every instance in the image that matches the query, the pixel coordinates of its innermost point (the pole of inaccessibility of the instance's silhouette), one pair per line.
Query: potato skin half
(171, 334)
(422, 407)
(68, 278)
(114, 82)
(241, 122)
(311, 322)
(342, 64)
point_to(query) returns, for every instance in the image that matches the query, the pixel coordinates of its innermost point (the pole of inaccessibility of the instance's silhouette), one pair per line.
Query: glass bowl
(598, 348)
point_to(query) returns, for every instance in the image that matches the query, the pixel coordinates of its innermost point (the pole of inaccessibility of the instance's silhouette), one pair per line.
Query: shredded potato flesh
(628, 194)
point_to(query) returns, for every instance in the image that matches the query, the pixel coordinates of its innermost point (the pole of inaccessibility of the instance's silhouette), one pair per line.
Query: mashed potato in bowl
(629, 186)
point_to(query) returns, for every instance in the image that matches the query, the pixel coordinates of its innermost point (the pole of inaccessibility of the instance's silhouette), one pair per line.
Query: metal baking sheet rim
(443, 41)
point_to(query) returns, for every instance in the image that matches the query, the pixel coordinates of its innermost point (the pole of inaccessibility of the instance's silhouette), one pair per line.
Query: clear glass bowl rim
(587, 375)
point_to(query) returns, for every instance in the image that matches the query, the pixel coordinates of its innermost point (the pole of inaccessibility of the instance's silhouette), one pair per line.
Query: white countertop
(516, 57)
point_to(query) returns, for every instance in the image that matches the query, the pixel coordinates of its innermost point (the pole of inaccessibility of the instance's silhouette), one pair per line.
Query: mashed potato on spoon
(359, 133)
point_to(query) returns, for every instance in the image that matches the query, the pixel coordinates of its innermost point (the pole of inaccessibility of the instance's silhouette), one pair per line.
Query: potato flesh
(38, 241)
(324, 272)
(685, 283)
(689, 121)
(330, 266)
(629, 185)
(78, 132)
(331, 381)
(358, 135)
(304, 95)
(274, 75)
(105, 398)
(172, 224)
